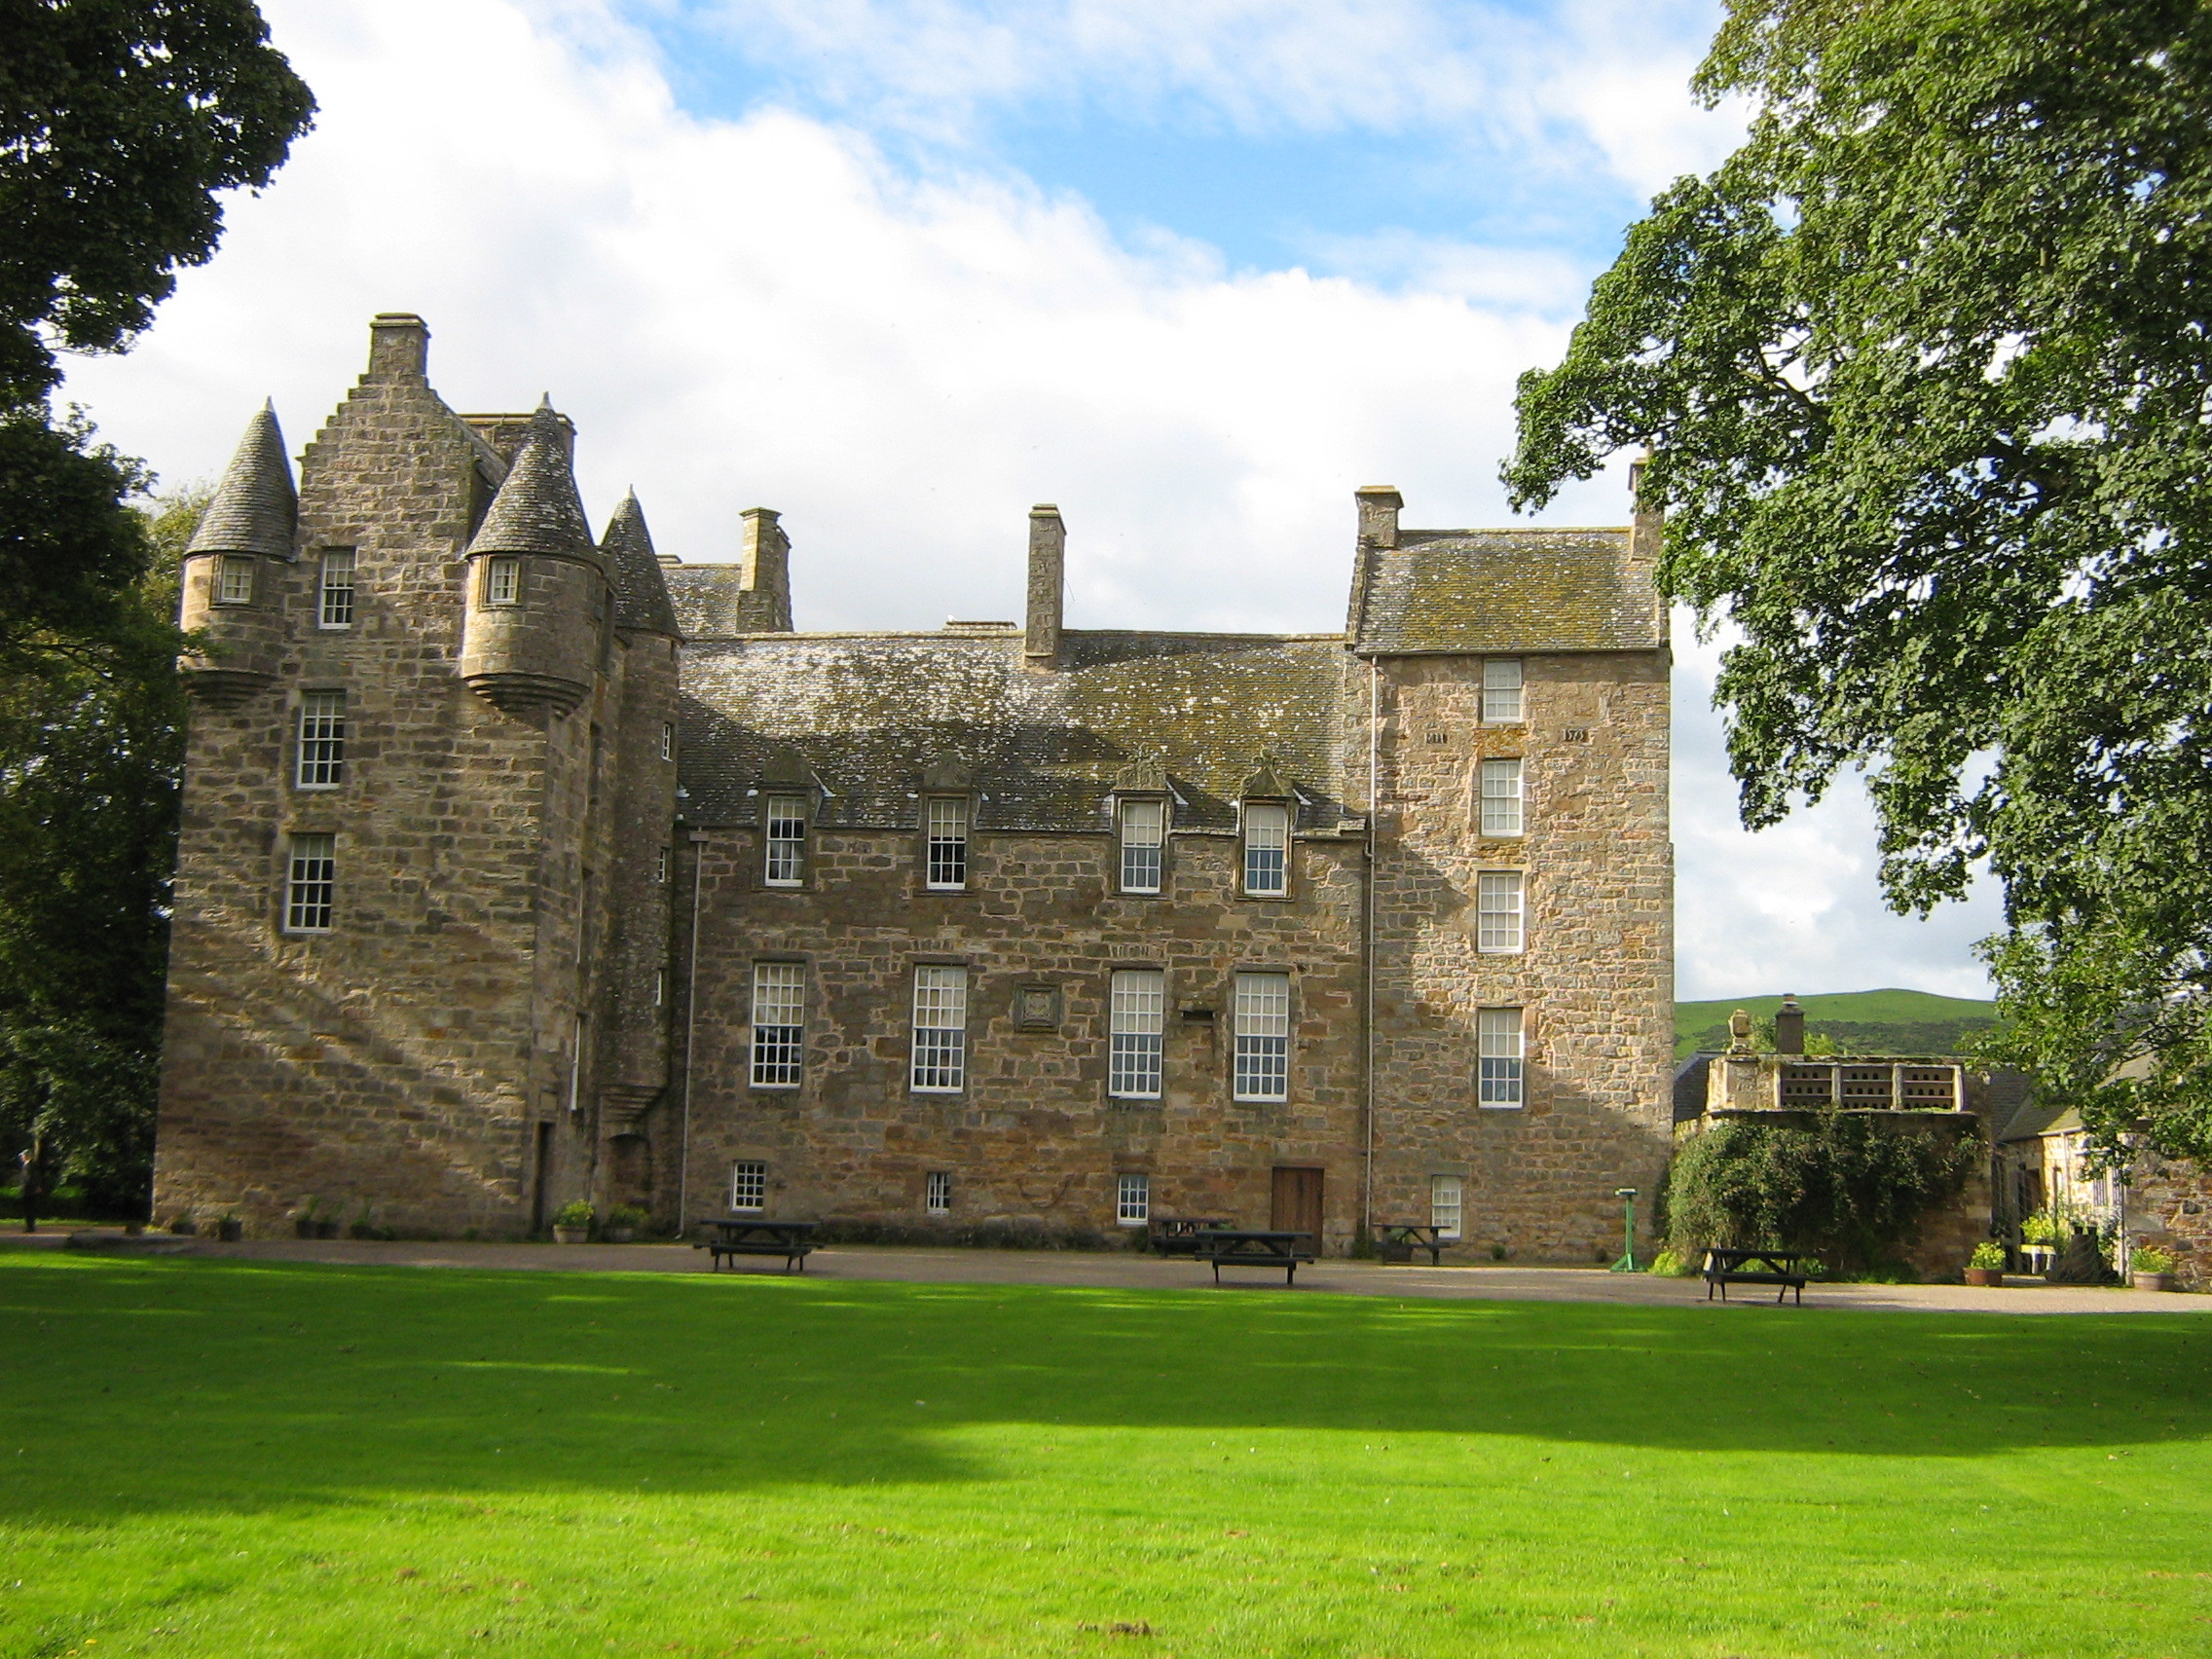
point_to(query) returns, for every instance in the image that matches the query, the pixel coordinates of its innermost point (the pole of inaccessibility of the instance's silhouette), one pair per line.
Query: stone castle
(520, 866)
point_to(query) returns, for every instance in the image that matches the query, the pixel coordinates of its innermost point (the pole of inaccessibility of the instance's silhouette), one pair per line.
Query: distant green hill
(1862, 1022)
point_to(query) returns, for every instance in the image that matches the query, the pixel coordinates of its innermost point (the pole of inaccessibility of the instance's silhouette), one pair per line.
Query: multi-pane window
(1502, 688)
(1132, 1201)
(337, 590)
(1267, 843)
(502, 581)
(660, 986)
(1144, 831)
(940, 1029)
(310, 884)
(938, 1198)
(322, 740)
(667, 741)
(1263, 1037)
(660, 864)
(787, 840)
(233, 581)
(1136, 1020)
(748, 1187)
(1501, 797)
(1497, 910)
(1444, 1205)
(779, 1023)
(947, 842)
(1497, 1045)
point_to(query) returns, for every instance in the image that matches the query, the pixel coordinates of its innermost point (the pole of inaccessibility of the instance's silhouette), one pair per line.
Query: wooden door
(1297, 1204)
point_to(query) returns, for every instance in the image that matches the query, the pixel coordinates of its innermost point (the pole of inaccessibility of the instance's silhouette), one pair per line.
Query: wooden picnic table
(1784, 1269)
(736, 1236)
(1397, 1240)
(1232, 1247)
(1180, 1234)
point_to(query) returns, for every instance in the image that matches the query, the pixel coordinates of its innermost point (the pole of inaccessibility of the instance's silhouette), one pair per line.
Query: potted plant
(572, 1222)
(621, 1224)
(2039, 1240)
(230, 1229)
(1986, 1266)
(311, 1214)
(364, 1225)
(2149, 1267)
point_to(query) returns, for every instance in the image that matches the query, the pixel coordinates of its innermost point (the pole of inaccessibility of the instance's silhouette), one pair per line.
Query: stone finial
(947, 774)
(1789, 1026)
(538, 509)
(787, 769)
(1048, 581)
(1147, 774)
(399, 349)
(255, 509)
(1378, 507)
(1740, 1032)
(640, 595)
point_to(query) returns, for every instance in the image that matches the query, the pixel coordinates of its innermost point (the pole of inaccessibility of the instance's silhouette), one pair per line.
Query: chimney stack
(1789, 1026)
(1378, 507)
(765, 600)
(1048, 571)
(399, 349)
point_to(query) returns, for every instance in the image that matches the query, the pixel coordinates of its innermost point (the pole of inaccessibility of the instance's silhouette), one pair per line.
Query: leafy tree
(92, 757)
(1923, 371)
(121, 120)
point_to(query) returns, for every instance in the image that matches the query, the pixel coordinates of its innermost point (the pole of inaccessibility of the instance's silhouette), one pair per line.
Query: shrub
(1843, 1186)
(1670, 1264)
(1987, 1254)
(2149, 1259)
(632, 1216)
(2039, 1229)
(576, 1212)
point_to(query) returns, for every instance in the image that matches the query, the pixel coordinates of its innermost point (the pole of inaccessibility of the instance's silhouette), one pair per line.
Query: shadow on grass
(193, 1384)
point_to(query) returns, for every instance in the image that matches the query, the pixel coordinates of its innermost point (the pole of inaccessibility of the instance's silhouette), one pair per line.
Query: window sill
(940, 1093)
(1493, 1106)
(775, 1087)
(1260, 1099)
(785, 886)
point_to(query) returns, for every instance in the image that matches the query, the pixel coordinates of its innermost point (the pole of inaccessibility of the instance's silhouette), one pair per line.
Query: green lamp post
(1627, 1262)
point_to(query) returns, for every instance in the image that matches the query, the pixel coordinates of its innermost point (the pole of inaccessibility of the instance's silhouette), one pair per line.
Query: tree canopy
(1923, 368)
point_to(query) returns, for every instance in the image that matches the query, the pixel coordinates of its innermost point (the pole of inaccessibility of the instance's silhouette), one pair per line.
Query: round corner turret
(233, 569)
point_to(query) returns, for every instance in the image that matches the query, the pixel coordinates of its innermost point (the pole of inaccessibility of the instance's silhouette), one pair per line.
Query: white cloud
(763, 312)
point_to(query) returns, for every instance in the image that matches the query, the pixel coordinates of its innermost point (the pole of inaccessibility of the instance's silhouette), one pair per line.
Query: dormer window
(948, 849)
(1143, 837)
(1266, 846)
(502, 581)
(785, 820)
(234, 579)
(1501, 690)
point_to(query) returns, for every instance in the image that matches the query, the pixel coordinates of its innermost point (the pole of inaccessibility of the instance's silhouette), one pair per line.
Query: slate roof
(868, 712)
(1506, 591)
(640, 597)
(707, 599)
(538, 509)
(2039, 1118)
(255, 509)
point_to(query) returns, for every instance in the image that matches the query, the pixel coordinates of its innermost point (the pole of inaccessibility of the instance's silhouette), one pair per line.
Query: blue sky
(1193, 268)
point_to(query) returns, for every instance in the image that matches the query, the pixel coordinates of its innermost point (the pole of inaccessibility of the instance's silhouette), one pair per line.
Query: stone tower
(420, 917)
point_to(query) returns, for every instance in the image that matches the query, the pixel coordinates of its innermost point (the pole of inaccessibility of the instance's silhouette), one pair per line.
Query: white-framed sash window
(948, 849)
(1498, 895)
(937, 1196)
(1132, 1201)
(1143, 837)
(779, 1024)
(1499, 1046)
(234, 579)
(310, 884)
(1263, 1037)
(1501, 797)
(940, 1029)
(748, 1187)
(1267, 849)
(1136, 1020)
(1444, 1205)
(785, 820)
(335, 594)
(1501, 690)
(322, 740)
(503, 580)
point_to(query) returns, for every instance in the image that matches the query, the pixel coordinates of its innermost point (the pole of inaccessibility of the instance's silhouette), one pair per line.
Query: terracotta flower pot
(571, 1235)
(1990, 1279)
(2152, 1282)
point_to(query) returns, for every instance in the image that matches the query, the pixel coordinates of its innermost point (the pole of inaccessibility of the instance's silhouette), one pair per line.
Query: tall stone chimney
(399, 349)
(1789, 1026)
(1048, 572)
(764, 602)
(1378, 507)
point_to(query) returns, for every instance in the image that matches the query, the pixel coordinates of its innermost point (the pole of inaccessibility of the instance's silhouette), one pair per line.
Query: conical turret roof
(538, 509)
(255, 509)
(640, 596)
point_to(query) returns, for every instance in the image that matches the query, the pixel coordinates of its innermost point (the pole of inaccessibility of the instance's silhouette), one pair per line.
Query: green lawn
(223, 1458)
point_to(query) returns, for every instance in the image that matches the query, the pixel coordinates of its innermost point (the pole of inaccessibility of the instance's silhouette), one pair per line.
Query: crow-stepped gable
(520, 866)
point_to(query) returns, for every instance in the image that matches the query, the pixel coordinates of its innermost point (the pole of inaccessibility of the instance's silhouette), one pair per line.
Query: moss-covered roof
(640, 596)
(870, 712)
(708, 598)
(254, 509)
(1506, 591)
